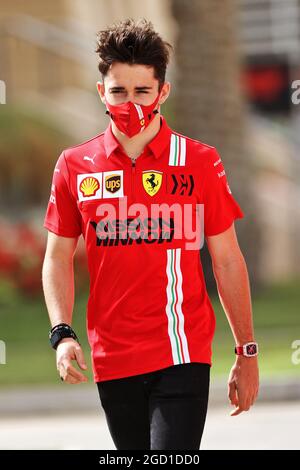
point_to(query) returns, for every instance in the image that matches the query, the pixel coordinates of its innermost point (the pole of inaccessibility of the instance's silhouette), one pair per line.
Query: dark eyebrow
(116, 88)
(121, 88)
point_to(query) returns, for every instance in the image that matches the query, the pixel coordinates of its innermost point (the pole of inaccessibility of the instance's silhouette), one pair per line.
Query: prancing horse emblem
(152, 181)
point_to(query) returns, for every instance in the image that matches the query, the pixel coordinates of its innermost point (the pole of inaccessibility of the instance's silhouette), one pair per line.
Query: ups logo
(112, 183)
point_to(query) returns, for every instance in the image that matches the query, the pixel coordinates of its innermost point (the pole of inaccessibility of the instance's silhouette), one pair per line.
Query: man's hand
(243, 384)
(67, 351)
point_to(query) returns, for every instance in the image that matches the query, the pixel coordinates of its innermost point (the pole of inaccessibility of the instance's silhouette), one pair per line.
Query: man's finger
(80, 357)
(249, 399)
(66, 372)
(240, 408)
(243, 406)
(232, 393)
(69, 379)
(70, 370)
(237, 411)
(254, 397)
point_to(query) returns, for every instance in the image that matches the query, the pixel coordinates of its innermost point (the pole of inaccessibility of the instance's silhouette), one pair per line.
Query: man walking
(135, 192)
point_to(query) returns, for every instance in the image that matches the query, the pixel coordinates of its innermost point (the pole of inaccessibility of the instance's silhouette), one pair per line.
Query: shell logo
(89, 186)
(142, 122)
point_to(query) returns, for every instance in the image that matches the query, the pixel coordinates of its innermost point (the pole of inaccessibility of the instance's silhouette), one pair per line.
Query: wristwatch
(247, 349)
(59, 332)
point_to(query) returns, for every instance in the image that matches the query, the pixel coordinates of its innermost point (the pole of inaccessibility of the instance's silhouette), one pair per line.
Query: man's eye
(120, 91)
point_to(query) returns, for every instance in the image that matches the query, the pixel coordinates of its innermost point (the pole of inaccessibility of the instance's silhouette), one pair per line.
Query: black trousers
(165, 409)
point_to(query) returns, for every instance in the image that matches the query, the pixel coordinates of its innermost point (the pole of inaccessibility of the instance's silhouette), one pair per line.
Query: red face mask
(131, 118)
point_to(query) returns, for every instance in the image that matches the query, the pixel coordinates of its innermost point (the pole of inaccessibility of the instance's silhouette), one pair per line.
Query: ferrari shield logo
(152, 181)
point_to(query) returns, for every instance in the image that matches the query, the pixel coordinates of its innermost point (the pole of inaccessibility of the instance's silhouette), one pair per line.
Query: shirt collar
(157, 145)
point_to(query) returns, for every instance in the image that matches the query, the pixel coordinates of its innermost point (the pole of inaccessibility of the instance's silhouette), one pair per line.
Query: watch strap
(248, 350)
(59, 332)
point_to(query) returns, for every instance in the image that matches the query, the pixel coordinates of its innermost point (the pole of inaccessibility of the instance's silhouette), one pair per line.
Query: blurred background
(233, 76)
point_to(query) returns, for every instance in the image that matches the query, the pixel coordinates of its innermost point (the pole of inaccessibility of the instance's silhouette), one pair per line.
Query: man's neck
(135, 145)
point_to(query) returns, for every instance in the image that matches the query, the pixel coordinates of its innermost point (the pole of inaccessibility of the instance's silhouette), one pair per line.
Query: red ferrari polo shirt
(148, 307)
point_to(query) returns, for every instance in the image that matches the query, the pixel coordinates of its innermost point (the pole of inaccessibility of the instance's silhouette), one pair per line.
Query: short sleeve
(62, 215)
(220, 207)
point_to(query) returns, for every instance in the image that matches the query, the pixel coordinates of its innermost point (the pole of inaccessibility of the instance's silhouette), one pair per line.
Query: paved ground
(266, 426)
(84, 398)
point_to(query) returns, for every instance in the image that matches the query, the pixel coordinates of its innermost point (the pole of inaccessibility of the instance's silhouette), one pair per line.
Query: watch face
(251, 349)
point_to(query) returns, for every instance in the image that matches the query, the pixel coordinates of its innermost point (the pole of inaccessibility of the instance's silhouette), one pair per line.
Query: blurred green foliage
(277, 325)
(30, 144)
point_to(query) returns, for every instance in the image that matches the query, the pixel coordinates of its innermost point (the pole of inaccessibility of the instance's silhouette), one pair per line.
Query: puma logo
(89, 158)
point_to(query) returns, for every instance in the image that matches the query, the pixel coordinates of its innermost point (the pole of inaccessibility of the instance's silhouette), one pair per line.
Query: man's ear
(101, 91)
(164, 93)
